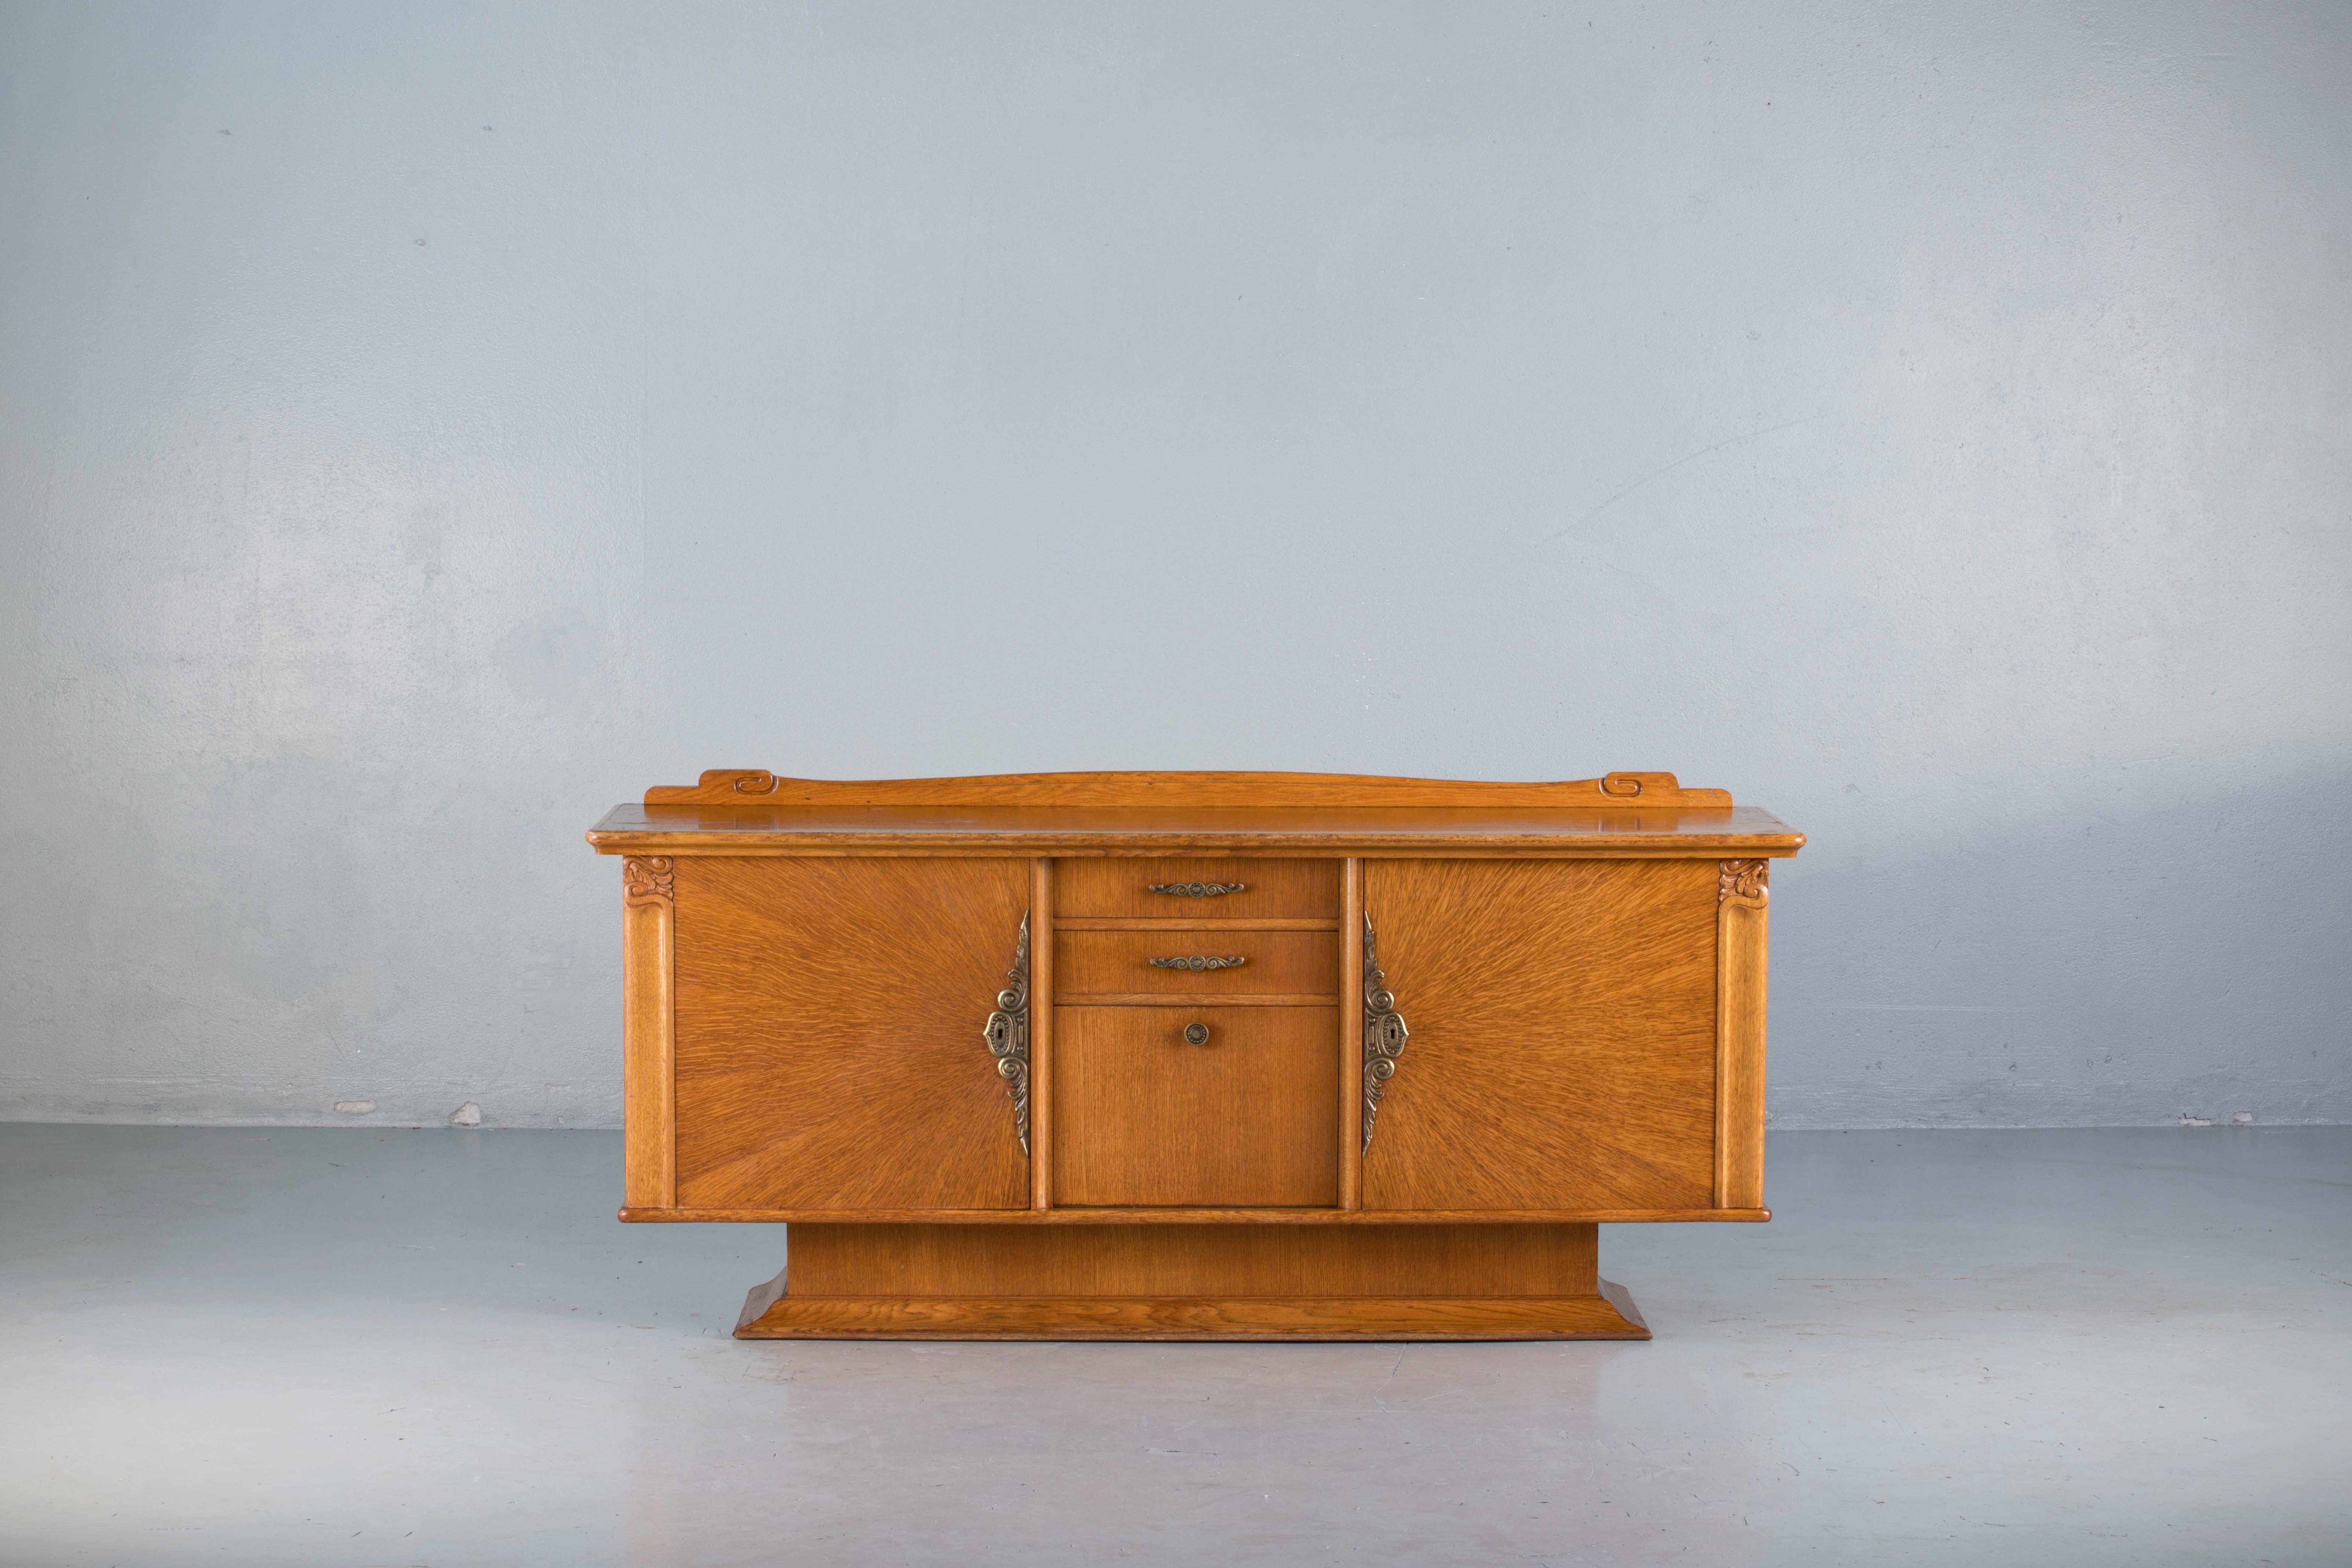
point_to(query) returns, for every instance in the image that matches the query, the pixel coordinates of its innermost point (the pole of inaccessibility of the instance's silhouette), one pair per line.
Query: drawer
(1227, 889)
(1119, 963)
(1249, 1117)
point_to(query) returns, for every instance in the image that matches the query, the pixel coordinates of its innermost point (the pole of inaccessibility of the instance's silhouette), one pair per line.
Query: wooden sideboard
(1192, 1055)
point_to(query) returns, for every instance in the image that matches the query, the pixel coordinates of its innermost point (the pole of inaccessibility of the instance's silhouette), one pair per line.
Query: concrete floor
(343, 1346)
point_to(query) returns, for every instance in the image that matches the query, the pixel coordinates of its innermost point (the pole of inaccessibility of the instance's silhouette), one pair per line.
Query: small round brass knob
(1196, 1034)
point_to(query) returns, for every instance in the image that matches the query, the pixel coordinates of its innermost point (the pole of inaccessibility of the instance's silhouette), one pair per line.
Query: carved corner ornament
(652, 880)
(1384, 1034)
(1008, 1036)
(1743, 881)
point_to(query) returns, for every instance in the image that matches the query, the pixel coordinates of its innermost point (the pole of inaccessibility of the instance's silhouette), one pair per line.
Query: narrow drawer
(1228, 889)
(1244, 1113)
(1106, 964)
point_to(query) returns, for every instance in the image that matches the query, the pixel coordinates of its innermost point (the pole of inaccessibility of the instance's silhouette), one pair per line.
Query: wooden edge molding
(649, 1031)
(1743, 898)
(1351, 961)
(756, 786)
(1065, 1216)
(1041, 1038)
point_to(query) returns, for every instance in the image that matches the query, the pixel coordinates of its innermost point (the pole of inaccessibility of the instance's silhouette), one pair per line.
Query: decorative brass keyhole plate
(1384, 1034)
(1008, 1036)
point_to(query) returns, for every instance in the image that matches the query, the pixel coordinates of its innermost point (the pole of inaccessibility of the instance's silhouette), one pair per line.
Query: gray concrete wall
(424, 427)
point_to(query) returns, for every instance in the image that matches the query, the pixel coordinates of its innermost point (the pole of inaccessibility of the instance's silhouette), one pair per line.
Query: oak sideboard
(1192, 1055)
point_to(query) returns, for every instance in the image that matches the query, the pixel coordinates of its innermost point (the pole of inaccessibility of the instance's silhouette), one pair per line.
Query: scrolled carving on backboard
(648, 880)
(1008, 1036)
(1384, 1034)
(1744, 882)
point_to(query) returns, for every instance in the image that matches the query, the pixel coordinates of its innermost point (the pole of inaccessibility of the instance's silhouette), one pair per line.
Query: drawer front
(1247, 1117)
(1228, 889)
(1178, 962)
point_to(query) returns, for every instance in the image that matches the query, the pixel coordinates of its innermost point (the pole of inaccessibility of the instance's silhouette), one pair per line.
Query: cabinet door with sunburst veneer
(831, 1022)
(1560, 1052)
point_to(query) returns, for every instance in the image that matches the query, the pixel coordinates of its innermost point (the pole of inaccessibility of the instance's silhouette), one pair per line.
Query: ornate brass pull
(1196, 1034)
(1197, 889)
(1198, 961)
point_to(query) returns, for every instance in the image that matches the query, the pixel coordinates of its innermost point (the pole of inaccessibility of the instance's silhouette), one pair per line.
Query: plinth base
(1191, 1282)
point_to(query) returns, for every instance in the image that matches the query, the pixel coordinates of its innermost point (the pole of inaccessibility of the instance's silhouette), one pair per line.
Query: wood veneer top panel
(1033, 829)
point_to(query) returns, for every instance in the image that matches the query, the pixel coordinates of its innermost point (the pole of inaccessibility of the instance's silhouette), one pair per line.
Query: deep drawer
(1244, 1112)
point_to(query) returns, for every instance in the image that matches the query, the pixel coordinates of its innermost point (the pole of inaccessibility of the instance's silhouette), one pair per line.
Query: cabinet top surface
(738, 811)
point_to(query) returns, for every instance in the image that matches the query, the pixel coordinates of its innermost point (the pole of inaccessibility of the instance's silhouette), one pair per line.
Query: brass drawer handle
(1197, 962)
(1197, 889)
(1196, 1034)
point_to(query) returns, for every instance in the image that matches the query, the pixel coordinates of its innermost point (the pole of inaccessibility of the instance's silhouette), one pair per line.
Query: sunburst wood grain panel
(829, 1049)
(1563, 1052)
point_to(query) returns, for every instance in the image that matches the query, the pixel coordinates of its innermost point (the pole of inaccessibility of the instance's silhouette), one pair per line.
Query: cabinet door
(1561, 1052)
(830, 1021)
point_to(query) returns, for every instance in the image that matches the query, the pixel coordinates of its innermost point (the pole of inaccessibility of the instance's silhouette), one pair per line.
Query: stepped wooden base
(1196, 1282)
(1608, 1315)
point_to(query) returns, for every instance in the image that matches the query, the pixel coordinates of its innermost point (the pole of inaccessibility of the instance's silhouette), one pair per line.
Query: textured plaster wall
(425, 426)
